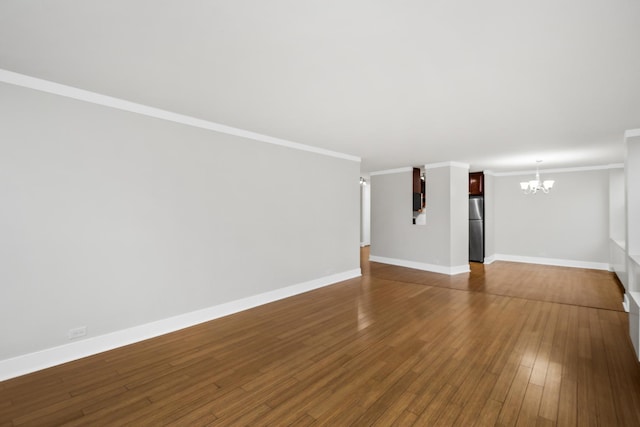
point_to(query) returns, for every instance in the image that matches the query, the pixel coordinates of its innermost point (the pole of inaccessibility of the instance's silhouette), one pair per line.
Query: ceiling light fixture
(535, 185)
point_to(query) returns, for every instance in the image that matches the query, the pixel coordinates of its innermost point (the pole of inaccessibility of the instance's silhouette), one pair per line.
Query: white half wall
(489, 218)
(365, 212)
(442, 244)
(632, 240)
(617, 207)
(570, 224)
(113, 220)
(617, 226)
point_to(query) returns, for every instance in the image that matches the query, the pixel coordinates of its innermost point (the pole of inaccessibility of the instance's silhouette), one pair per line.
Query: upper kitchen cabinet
(417, 182)
(418, 190)
(418, 197)
(476, 184)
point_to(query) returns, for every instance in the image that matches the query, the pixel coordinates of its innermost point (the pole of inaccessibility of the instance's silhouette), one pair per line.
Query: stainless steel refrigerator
(476, 228)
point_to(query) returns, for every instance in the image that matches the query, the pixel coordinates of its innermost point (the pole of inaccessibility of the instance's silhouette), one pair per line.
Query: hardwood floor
(507, 344)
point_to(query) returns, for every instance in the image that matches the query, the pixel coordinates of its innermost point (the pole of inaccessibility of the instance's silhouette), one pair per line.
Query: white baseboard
(553, 261)
(24, 364)
(489, 259)
(422, 266)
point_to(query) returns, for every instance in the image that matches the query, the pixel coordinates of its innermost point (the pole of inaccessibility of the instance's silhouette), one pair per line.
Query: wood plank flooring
(508, 344)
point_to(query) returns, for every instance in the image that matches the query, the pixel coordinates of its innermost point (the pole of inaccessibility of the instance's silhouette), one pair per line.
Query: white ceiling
(494, 83)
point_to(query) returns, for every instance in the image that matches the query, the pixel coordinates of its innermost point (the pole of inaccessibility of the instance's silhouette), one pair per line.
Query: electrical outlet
(77, 332)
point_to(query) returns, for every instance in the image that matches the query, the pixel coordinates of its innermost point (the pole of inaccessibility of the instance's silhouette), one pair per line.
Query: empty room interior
(319, 213)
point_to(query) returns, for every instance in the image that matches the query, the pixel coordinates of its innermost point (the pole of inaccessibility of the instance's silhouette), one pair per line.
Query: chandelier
(535, 185)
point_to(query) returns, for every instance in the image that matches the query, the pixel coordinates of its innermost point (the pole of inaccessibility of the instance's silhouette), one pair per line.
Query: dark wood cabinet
(476, 184)
(417, 182)
(418, 191)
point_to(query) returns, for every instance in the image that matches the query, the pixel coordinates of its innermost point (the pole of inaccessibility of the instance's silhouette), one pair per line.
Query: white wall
(458, 215)
(571, 223)
(617, 227)
(442, 244)
(365, 213)
(489, 217)
(632, 203)
(617, 206)
(111, 219)
(632, 200)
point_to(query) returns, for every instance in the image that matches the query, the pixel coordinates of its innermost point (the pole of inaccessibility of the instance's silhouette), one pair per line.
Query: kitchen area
(476, 217)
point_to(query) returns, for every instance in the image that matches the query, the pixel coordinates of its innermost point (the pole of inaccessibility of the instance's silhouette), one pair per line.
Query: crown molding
(47, 86)
(390, 171)
(428, 166)
(631, 133)
(561, 170)
(447, 164)
(615, 166)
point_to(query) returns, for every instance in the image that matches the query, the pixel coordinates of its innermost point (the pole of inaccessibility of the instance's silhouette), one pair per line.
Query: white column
(632, 201)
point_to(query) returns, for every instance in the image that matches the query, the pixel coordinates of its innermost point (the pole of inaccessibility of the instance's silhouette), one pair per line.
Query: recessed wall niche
(418, 200)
